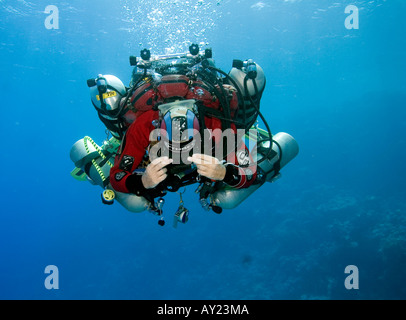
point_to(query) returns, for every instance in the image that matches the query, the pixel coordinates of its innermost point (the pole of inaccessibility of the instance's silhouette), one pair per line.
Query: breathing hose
(260, 115)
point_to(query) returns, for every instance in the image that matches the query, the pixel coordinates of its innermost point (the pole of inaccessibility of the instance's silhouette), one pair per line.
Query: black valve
(91, 83)
(251, 69)
(239, 64)
(194, 49)
(208, 53)
(133, 61)
(205, 63)
(145, 54)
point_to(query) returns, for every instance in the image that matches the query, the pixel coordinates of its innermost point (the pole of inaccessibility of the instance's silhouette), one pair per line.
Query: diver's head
(106, 92)
(180, 129)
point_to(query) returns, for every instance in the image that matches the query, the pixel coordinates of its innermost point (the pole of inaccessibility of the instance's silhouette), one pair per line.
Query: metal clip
(157, 207)
(182, 214)
(205, 204)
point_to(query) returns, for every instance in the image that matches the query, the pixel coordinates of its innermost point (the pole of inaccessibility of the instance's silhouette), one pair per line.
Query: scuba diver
(178, 139)
(181, 121)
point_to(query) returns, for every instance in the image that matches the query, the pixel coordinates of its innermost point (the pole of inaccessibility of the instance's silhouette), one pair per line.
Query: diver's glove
(135, 186)
(232, 176)
(144, 184)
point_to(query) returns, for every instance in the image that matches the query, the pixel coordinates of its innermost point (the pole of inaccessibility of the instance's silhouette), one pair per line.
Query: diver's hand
(208, 166)
(155, 172)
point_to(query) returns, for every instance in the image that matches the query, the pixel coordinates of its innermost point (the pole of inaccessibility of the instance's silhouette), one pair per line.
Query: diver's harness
(194, 66)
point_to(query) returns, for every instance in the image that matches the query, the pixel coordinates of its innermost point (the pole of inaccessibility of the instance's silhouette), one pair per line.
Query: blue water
(340, 92)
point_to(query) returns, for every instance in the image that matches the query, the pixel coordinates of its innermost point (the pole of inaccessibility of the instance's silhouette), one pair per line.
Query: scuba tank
(251, 81)
(93, 163)
(284, 149)
(107, 93)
